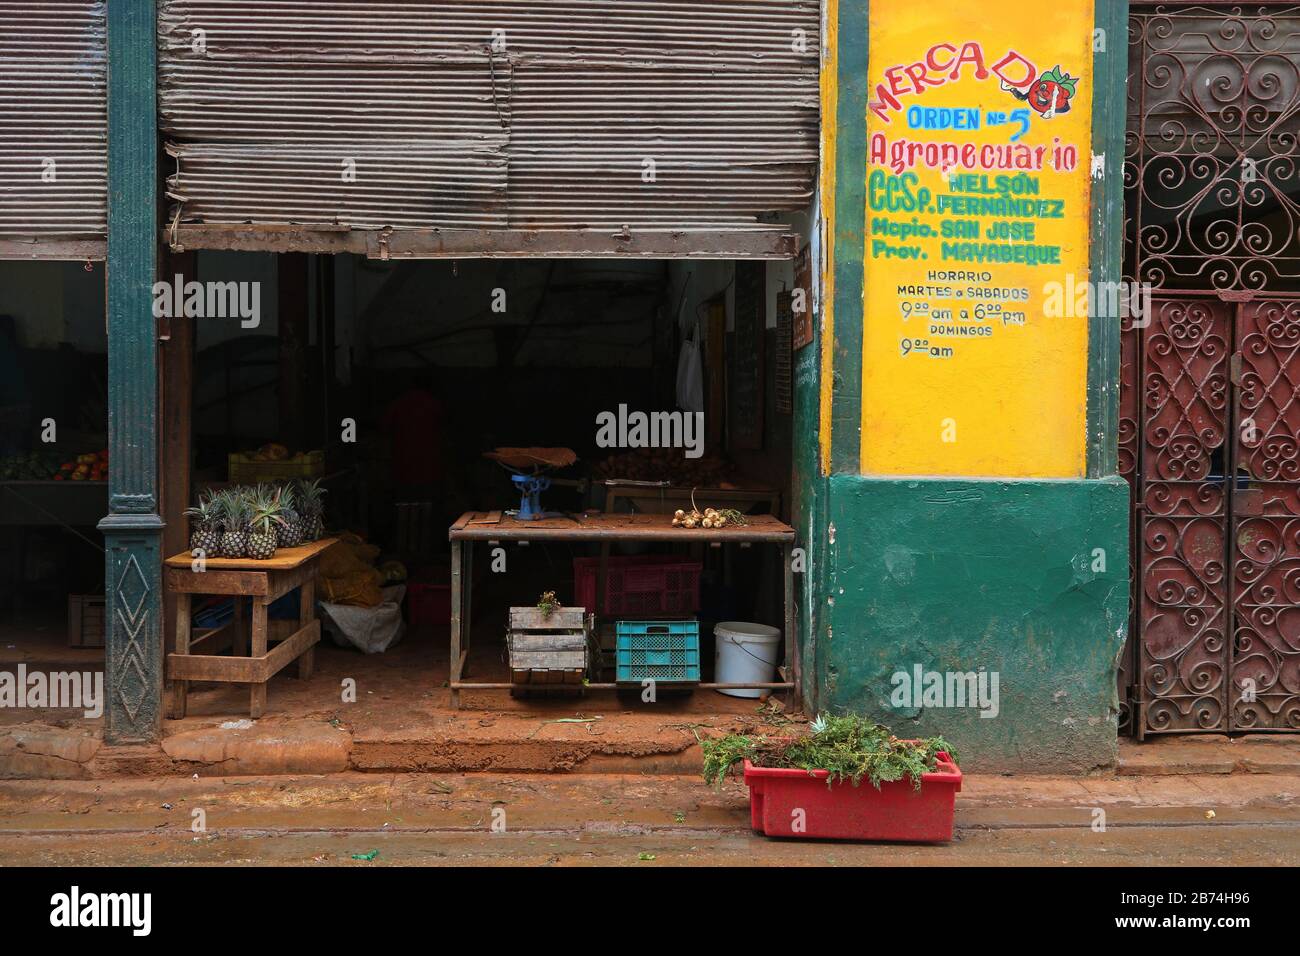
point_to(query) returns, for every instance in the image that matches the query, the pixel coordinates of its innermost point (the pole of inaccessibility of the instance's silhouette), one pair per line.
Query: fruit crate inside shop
(246, 468)
(86, 614)
(667, 652)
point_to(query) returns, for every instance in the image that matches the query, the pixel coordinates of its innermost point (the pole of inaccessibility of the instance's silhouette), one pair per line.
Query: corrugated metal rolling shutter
(53, 128)
(265, 105)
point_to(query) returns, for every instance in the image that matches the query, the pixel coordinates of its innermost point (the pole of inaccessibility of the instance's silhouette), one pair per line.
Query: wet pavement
(623, 820)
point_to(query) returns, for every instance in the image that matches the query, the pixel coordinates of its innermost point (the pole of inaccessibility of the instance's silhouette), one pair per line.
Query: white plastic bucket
(746, 654)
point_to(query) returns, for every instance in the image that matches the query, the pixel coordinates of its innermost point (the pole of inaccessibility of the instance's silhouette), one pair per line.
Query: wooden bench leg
(240, 646)
(467, 606)
(257, 695)
(306, 613)
(180, 688)
(457, 595)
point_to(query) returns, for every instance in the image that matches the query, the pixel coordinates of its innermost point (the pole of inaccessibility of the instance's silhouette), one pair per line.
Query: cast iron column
(132, 529)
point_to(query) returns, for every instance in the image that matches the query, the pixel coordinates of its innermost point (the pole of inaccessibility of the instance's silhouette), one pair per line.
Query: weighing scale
(528, 469)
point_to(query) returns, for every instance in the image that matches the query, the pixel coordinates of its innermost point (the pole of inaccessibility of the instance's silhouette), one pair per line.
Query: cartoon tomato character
(1051, 92)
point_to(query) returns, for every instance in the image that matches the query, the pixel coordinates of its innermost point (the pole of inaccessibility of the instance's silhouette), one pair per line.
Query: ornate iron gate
(1210, 389)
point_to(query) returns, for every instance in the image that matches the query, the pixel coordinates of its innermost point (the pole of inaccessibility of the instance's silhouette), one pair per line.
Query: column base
(991, 612)
(133, 628)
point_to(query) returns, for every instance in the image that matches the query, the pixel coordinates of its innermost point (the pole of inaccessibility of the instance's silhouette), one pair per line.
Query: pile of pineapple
(253, 521)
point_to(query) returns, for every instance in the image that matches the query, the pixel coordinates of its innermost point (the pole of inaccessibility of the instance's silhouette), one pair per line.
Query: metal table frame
(604, 529)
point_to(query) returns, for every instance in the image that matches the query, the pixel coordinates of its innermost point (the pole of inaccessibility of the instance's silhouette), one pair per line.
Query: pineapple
(264, 524)
(289, 533)
(311, 506)
(238, 512)
(205, 526)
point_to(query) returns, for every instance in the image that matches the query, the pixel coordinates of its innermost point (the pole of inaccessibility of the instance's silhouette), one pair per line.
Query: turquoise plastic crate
(667, 652)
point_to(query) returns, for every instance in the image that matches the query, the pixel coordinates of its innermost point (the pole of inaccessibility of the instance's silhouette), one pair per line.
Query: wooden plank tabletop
(285, 559)
(595, 527)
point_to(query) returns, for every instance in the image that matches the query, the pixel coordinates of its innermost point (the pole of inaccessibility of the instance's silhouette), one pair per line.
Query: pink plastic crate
(640, 584)
(428, 605)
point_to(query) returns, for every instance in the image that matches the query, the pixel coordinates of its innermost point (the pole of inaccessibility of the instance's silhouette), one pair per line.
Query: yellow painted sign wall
(975, 337)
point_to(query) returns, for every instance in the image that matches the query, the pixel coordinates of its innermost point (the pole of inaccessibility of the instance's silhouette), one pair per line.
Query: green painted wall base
(1027, 580)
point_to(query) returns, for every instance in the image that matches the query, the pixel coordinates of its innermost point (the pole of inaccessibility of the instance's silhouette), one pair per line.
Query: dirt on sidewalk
(615, 819)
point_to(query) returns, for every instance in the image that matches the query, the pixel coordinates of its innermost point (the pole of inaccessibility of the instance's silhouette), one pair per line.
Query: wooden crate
(86, 620)
(549, 650)
(243, 470)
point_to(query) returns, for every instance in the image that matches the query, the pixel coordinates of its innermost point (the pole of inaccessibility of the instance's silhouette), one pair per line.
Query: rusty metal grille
(1214, 115)
(587, 115)
(1130, 416)
(1210, 395)
(53, 127)
(1182, 602)
(1209, 432)
(1266, 520)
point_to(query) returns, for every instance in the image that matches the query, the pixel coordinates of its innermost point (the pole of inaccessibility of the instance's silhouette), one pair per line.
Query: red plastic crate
(640, 584)
(780, 798)
(428, 605)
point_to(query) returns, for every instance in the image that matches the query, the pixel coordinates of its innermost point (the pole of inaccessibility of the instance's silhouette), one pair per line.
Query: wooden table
(194, 658)
(604, 528)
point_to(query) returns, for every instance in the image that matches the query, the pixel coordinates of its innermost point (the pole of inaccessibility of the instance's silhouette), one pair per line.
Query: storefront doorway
(53, 472)
(424, 366)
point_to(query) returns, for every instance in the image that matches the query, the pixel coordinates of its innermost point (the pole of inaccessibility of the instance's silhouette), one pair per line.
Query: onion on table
(709, 518)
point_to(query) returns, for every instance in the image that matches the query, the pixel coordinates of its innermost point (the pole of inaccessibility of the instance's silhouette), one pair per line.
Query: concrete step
(1210, 754)
(482, 742)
